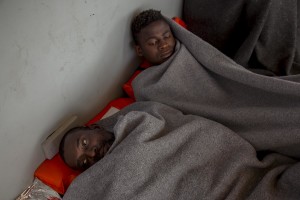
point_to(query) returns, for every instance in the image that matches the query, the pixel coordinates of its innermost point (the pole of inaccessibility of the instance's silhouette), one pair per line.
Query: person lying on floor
(81, 147)
(154, 42)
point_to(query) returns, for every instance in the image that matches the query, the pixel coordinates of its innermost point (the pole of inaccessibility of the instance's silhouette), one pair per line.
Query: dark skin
(156, 42)
(84, 148)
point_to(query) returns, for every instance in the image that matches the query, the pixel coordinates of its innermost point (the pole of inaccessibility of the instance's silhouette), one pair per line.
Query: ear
(139, 50)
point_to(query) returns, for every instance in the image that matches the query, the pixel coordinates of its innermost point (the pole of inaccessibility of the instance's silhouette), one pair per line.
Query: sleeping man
(81, 147)
(154, 40)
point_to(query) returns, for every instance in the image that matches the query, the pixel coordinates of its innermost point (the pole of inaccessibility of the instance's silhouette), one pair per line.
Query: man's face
(156, 42)
(84, 148)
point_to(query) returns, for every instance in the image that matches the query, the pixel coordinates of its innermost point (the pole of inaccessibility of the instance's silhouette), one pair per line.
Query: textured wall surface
(59, 58)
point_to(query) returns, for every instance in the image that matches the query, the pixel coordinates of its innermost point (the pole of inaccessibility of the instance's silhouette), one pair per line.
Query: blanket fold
(161, 153)
(200, 80)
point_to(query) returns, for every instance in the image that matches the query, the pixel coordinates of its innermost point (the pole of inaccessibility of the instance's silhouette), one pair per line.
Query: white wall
(59, 58)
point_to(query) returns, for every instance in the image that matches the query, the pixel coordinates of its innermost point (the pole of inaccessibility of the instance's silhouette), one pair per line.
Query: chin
(164, 59)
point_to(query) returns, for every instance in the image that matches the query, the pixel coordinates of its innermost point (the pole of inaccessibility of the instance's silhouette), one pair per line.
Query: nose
(91, 152)
(163, 44)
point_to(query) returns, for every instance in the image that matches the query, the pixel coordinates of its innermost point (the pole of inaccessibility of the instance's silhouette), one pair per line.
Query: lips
(102, 151)
(103, 148)
(166, 54)
(106, 148)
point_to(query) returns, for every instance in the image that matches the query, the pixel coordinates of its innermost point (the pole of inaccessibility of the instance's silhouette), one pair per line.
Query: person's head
(81, 147)
(153, 36)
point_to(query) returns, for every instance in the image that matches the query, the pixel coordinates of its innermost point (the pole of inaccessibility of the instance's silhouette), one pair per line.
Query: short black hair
(142, 20)
(69, 132)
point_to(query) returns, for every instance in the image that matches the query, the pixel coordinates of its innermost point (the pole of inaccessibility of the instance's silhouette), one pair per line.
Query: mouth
(166, 54)
(103, 150)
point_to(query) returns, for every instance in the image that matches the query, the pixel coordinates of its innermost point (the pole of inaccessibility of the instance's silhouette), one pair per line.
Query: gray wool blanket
(261, 35)
(203, 127)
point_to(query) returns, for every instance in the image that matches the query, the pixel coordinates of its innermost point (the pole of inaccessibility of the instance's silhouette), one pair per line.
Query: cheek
(172, 42)
(151, 51)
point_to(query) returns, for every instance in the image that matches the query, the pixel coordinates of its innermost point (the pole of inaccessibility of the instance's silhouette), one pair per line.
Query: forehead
(70, 148)
(155, 28)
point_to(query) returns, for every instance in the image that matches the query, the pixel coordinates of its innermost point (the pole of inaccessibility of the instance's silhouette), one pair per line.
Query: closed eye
(167, 35)
(152, 42)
